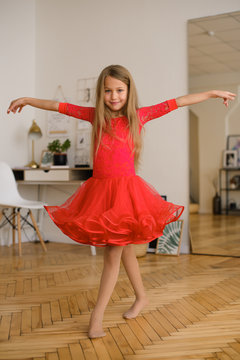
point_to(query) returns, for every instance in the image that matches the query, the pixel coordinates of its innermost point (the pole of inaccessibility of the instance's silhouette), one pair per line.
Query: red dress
(115, 206)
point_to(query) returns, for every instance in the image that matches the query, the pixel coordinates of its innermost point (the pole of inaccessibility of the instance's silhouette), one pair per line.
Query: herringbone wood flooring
(46, 299)
(215, 234)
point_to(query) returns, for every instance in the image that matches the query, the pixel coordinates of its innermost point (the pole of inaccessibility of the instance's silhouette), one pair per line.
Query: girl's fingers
(232, 96)
(226, 102)
(227, 96)
(10, 108)
(15, 106)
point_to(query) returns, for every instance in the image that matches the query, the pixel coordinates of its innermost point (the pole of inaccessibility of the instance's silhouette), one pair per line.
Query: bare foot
(95, 327)
(96, 333)
(135, 309)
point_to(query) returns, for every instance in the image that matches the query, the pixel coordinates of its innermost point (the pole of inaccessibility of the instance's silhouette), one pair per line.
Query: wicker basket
(141, 249)
(194, 208)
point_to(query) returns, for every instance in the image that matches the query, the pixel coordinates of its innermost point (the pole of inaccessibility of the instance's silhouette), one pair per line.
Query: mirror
(214, 63)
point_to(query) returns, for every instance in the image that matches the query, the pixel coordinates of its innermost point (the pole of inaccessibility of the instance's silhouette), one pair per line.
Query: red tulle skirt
(114, 211)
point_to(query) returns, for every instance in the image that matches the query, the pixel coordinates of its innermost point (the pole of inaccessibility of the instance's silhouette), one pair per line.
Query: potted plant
(59, 151)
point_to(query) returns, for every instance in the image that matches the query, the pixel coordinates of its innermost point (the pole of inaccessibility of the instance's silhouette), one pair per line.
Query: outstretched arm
(18, 104)
(197, 98)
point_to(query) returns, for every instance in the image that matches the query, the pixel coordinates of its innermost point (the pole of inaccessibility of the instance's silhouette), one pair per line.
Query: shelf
(225, 189)
(230, 169)
(231, 211)
(225, 175)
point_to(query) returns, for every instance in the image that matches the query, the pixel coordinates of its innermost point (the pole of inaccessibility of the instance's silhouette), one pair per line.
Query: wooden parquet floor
(46, 299)
(215, 234)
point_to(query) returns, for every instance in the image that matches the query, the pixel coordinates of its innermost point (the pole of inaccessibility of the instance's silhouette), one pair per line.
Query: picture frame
(230, 159)
(82, 158)
(169, 243)
(83, 140)
(233, 143)
(46, 160)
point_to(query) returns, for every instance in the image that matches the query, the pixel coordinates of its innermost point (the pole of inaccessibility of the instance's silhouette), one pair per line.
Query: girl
(116, 208)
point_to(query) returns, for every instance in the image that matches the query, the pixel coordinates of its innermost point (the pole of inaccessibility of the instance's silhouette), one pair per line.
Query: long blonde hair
(103, 115)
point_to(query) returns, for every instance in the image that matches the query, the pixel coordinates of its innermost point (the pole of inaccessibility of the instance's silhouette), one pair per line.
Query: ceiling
(214, 44)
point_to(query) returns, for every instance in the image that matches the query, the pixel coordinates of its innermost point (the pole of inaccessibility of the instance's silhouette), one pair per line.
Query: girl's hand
(225, 95)
(17, 105)
(191, 99)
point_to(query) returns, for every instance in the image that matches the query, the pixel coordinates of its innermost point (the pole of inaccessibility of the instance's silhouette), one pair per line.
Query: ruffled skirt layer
(114, 211)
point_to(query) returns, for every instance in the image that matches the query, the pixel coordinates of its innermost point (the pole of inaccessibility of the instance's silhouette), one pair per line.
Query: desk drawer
(50, 175)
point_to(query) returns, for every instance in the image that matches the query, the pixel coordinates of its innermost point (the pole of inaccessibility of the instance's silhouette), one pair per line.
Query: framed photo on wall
(233, 143)
(169, 243)
(230, 159)
(83, 140)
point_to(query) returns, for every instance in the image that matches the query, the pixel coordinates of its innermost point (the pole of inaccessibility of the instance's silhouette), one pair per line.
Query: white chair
(11, 199)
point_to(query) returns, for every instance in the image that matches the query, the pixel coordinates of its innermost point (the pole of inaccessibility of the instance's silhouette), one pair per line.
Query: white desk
(47, 176)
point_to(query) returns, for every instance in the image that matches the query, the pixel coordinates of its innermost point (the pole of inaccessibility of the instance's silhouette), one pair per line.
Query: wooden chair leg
(14, 224)
(19, 233)
(37, 231)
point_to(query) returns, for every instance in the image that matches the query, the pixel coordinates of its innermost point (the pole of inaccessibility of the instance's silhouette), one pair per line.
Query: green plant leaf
(56, 147)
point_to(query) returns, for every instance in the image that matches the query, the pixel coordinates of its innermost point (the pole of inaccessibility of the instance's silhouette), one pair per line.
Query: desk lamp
(34, 133)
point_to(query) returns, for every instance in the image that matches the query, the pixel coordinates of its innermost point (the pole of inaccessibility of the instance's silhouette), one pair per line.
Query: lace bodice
(114, 157)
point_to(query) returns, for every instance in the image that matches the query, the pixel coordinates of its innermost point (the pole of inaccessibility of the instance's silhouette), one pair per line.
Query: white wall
(17, 74)
(76, 39)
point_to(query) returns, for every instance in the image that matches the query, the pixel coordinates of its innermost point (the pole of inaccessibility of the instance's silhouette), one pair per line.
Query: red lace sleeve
(153, 112)
(79, 112)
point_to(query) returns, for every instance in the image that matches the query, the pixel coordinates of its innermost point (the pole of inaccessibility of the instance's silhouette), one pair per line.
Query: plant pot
(59, 159)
